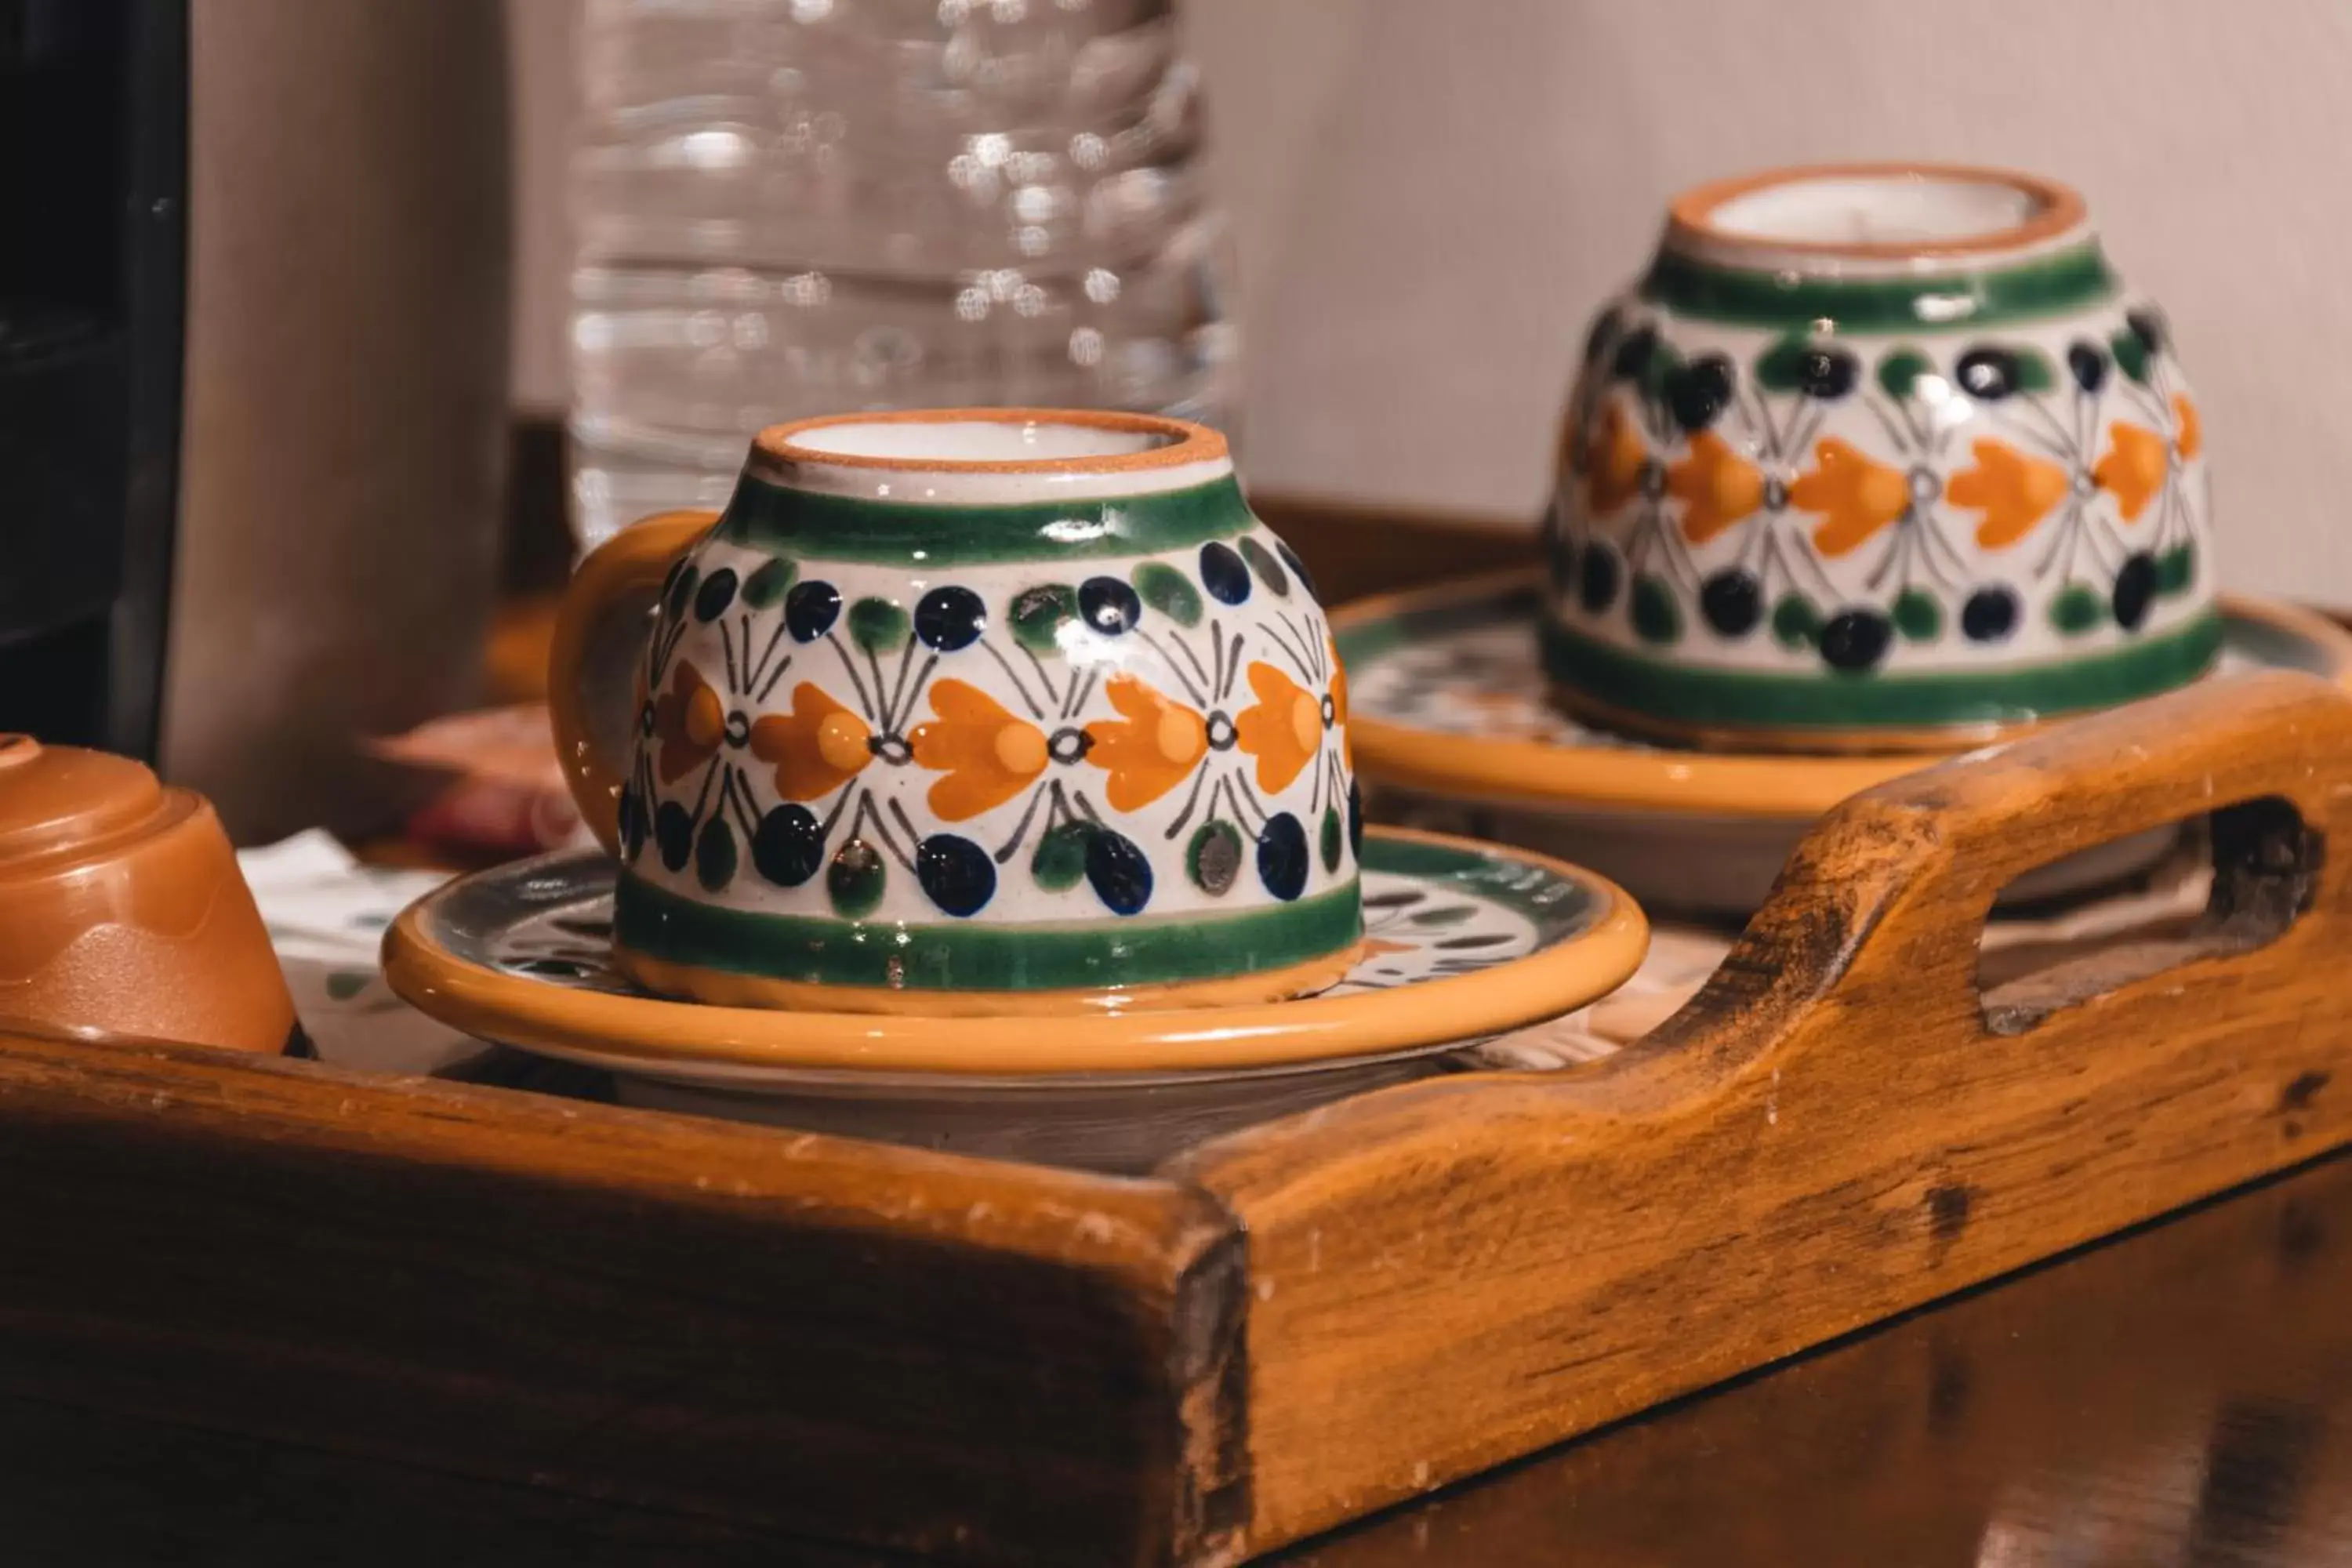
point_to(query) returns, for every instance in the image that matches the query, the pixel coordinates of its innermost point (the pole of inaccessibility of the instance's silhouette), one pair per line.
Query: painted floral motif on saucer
(1452, 731)
(1463, 941)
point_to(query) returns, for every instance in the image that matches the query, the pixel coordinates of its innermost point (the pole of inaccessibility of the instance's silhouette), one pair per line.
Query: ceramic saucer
(1451, 730)
(1463, 939)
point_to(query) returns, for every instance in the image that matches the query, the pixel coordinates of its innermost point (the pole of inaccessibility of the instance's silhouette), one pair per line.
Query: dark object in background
(253, 387)
(93, 178)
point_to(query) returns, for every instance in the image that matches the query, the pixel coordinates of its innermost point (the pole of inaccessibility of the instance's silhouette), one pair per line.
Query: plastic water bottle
(789, 208)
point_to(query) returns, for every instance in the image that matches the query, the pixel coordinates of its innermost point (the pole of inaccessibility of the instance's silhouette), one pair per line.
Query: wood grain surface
(2178, 1396)
(2181, 1395)
(1446, 1275)
(996, 1363)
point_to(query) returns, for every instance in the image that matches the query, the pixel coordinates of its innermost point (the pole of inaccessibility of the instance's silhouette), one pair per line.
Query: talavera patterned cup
(969, 712)
(1876, 457)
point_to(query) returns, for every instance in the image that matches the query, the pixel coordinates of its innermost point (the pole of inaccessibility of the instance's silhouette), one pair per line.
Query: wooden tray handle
(2004, 811)
(1838, 1127)
(1888, 895)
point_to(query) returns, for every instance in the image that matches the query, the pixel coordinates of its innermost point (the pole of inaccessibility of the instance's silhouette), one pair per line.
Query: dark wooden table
(2179, 1395)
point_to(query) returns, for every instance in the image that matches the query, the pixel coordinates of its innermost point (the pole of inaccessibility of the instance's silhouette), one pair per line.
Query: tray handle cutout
(2264, 861)
(1890, 893)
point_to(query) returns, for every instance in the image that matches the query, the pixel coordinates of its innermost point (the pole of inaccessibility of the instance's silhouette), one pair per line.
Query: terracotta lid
(62, 801)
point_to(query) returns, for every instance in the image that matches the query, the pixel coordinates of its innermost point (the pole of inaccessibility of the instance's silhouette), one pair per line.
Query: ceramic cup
(966, 711)
(122, 910)
(1876, 457)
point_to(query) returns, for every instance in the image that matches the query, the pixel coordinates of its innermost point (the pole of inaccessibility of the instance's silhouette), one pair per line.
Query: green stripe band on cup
(2021, 292)
(1143, 950)
(1832, 700)
(889, 532)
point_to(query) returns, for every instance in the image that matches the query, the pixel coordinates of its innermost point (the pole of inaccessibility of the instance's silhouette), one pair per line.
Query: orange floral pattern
(689, 720)
(1836, 495)
(1716, 486)
(987, 754)
(1150, 748)
(1854, 496)
(2189, 430)
(816, 748)
(915, 751)
(1339, 705)
(2132, 470)
(1282, 729)
(2014, 491)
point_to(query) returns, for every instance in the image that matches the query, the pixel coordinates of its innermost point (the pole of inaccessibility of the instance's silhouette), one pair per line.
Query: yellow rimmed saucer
(1463, 941)
(1452, 729)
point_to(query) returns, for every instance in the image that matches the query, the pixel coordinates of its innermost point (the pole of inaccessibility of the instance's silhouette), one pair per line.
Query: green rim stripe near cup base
(1135, 951)
(890, 533)
(2025, 290)
(1749, 700)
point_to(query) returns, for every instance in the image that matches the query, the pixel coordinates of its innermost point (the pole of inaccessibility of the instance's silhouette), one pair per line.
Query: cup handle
(600, 643)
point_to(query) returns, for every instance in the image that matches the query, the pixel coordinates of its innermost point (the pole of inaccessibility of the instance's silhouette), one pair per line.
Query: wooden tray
(994, 1363)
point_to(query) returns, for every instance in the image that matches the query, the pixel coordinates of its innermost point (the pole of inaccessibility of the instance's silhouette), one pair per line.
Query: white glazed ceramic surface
(1113, 1125)
(988, 702)
(1264, 664)
(1463, 939)
(1719, 868)
(1456, 736)
(558, 930)
(1878, 451)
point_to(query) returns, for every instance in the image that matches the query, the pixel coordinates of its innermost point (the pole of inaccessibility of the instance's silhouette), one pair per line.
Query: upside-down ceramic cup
(1876, 457)
(966, 711)
(122, 910)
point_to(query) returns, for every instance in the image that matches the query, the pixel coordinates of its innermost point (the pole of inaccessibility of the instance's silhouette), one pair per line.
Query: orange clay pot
(122, 909)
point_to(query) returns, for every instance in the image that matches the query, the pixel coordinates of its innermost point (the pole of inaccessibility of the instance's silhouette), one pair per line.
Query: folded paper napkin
(327, 914)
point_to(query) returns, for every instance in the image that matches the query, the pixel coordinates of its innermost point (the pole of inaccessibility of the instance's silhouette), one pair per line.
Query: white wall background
(1429, 197)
